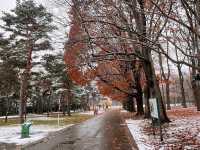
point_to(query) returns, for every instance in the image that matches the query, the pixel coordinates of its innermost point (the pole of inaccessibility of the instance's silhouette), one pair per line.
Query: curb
(130, 137)
(49, 137)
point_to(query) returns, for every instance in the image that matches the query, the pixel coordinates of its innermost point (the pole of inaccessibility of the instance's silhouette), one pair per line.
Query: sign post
(155, 114)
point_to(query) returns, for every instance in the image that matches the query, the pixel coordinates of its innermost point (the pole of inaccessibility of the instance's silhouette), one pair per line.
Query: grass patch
(64, 120)
(9, 122)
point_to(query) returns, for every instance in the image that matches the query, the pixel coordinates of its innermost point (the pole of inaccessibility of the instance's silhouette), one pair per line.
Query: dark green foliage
(8, 73)
(28, 26)
(54, 65)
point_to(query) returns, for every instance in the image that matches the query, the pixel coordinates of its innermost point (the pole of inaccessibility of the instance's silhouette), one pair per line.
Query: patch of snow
(28, 116)
(15, 116)
(101, 111)
(136, 131)
(12, 134)
(181, 133)
(45, 118)
(34, 117)
(124, 111)
(87, 113)
(116, 107)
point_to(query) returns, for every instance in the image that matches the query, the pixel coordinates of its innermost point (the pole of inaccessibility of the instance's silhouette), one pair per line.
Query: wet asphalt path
(104, 132)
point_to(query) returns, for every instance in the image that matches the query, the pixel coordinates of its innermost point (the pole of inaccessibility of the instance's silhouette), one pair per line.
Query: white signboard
(153, 108)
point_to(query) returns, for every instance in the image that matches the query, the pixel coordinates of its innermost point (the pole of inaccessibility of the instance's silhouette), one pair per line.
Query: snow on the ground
(136, 131)
(87, 113)
(116, 107)
(101, 111)
(182, 133)
(124, 111)
(12, 134)
(46, 118)
(28, 116)
(39, 117)
(16, 116)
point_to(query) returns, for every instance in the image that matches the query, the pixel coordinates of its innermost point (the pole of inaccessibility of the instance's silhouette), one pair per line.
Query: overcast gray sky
(58, 37)
(7, 4)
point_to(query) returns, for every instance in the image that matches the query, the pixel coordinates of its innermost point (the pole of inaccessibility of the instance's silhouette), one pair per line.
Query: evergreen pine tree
(8, 77)
(28, 25)
(56, 72)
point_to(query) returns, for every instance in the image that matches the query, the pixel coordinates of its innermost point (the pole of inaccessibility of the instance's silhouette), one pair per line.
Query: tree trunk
(146, 102)
(69, 96)
(140, 109)
(154, 88)
(69, 110)
(167, 96)
(24, 80)
(166, 79)
(195, 87)
(48, 104)
(63, 103)
(40, 105)
(139, 100)
(196, 92)
(131, 104)
(148, 65)
(181, 80)
(68, 105)
(163, 93)
(23, 95)
(7, 108)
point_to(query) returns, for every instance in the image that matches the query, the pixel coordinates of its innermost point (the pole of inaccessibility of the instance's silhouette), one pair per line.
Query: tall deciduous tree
(103, 36)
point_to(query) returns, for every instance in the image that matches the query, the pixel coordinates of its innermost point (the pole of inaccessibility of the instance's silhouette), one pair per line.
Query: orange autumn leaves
(109, 71)
(74, 51)
(111, 79)
(110, 91)
(114, 82)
